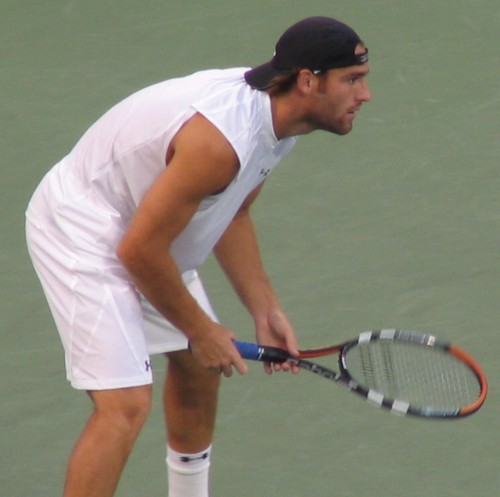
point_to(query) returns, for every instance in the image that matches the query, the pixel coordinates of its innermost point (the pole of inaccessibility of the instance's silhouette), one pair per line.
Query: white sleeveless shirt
(88, 199)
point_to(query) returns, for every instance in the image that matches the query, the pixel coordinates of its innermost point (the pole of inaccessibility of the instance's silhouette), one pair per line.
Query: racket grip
(256, 352)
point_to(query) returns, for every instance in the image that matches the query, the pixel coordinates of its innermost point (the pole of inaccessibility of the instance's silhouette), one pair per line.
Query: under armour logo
(149, 366)
(188, 459)
(264, 172)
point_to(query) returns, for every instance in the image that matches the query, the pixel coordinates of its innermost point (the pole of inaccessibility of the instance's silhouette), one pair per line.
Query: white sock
(188, 473)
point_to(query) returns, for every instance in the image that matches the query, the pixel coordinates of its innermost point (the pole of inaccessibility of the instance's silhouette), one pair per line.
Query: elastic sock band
(188, 464)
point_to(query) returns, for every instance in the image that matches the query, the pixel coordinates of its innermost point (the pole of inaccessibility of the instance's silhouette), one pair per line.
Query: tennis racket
(406, 372)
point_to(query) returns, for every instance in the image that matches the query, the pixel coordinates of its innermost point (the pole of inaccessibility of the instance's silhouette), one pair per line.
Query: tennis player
(117, 229)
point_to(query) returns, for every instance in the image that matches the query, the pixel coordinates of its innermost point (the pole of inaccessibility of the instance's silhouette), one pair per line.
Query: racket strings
(421, 376)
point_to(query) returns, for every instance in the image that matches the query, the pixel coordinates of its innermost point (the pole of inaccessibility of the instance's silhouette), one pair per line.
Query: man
(118, 228)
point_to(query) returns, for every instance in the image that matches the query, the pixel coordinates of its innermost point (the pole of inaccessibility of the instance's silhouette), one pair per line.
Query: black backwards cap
(315, 43)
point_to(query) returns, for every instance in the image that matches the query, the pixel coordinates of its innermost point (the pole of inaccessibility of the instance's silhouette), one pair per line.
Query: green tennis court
(395, 225)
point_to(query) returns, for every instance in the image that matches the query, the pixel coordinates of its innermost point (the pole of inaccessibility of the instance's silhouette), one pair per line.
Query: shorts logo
(149, 366)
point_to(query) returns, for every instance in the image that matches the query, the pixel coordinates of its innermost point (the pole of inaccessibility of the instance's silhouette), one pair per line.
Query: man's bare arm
(202, 163)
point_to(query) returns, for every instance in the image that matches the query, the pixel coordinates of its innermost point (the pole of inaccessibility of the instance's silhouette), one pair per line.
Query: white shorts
(107, 328)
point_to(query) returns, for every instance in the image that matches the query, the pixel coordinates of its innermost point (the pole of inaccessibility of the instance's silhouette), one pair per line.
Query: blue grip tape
(248, 350)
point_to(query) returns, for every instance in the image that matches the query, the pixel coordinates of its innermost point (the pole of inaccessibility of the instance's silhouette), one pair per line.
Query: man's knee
(126, 409)
(185, 372)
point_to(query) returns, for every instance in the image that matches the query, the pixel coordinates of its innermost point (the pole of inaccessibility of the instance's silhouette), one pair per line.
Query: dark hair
(282, 84)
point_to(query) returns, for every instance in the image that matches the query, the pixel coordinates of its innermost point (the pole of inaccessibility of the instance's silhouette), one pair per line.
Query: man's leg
(190, 398)
(102, 450)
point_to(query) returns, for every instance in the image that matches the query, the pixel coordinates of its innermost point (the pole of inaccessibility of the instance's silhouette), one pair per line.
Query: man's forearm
(159, 280)
(238, 254)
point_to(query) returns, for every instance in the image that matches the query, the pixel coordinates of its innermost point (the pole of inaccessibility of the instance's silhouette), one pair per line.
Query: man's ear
(307, 81)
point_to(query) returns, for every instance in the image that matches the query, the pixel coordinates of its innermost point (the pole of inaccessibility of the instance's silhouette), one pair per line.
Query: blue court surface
(395, 225)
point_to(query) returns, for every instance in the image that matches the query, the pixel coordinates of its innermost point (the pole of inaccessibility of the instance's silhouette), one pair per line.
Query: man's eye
(354, 79)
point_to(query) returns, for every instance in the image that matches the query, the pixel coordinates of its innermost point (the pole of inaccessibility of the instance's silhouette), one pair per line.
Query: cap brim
(261, 77)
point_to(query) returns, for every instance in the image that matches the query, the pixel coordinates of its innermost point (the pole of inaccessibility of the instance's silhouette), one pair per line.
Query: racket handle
(256, 352)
